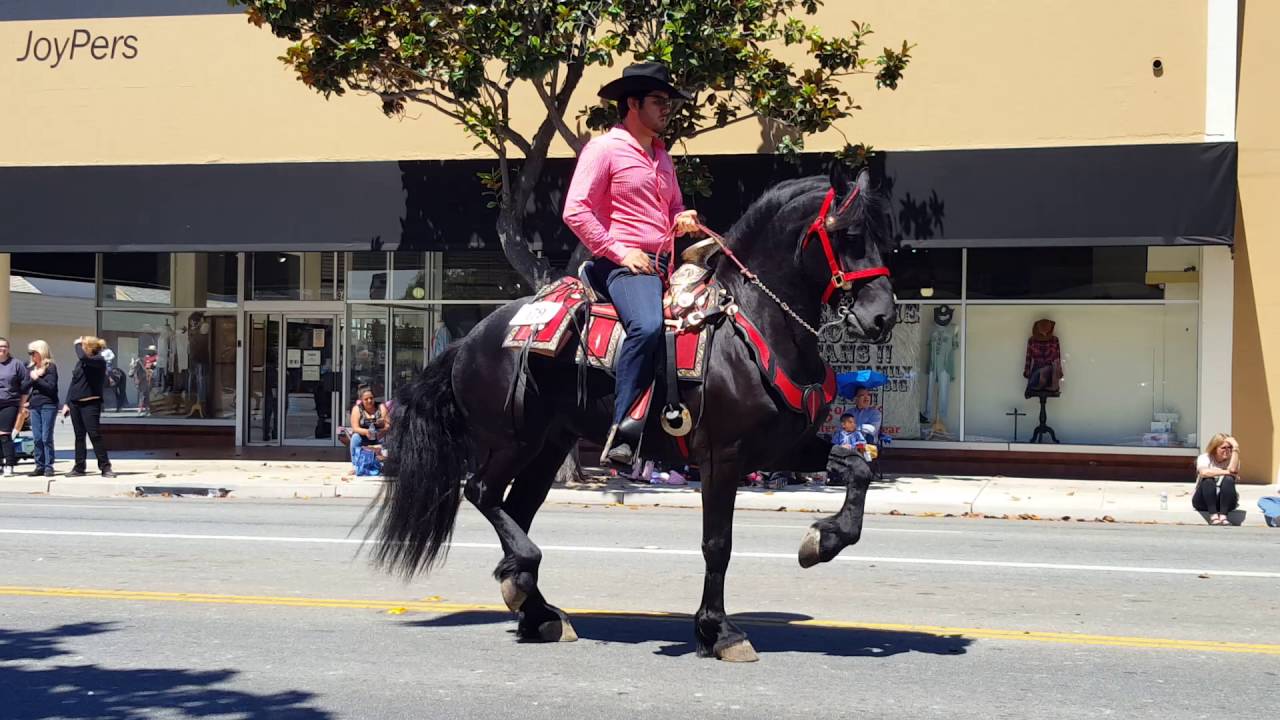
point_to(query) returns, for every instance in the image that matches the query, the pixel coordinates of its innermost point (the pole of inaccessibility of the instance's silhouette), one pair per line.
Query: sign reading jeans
(900, 358)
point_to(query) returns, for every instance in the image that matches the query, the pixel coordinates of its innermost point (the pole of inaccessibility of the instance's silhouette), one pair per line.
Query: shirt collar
(620, 132)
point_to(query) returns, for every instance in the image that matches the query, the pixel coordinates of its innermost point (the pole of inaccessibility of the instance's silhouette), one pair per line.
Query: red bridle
(841, 279)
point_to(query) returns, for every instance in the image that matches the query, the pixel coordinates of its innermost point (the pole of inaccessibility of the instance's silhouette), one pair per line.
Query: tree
(465, 59)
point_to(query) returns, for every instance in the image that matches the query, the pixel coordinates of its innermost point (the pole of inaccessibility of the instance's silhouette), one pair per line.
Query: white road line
(680, 552)
(59, 506)
(865, 529)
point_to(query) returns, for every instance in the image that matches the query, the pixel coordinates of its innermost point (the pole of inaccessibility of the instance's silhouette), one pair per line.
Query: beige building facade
(170, 135)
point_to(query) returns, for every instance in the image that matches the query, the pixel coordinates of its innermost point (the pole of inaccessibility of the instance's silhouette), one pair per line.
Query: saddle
(692, 304)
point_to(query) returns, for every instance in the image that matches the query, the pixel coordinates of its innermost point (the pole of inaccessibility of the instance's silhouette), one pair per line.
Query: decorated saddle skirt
(562, 311)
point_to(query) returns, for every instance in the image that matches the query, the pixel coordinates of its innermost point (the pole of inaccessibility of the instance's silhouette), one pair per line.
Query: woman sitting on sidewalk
(1216, 472)
(369, 423)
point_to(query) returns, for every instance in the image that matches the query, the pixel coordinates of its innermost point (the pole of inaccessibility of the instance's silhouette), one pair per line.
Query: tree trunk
(536, 271)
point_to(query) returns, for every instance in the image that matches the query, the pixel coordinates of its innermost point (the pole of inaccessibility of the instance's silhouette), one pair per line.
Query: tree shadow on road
(32, 689)
(770, 633)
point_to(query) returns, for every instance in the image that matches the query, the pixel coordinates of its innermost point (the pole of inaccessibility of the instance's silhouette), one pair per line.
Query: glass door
(294, 380)
(310, 383)
(264, 379)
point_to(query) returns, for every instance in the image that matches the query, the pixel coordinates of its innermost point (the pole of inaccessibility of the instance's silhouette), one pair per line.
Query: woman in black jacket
(42, 401)
(84, 403)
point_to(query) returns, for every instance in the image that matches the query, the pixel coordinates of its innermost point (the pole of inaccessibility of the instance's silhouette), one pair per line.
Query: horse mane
(766, 209)
(869, 213)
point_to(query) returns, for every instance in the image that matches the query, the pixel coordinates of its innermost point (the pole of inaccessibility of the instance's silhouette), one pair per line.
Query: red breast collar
(841, 279)
(810, 400)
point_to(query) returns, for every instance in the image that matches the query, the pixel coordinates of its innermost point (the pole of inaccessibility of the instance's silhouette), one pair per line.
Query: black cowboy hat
(642, 78)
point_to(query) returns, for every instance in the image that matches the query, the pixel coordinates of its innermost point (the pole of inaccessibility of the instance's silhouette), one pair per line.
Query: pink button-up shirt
(621, 198)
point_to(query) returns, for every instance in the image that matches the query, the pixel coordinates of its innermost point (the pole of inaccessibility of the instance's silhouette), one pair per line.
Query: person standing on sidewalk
(624, 204)
(42, 402)
(1216, 472)
(13, 396)
(84, 404)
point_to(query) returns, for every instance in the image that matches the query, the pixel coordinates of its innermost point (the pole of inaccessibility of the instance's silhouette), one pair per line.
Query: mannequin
(943, 342)
(442, 339)
(1043, 371)
(198, 352)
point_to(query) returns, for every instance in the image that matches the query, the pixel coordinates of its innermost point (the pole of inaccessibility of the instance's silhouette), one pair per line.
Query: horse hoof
(811, 548)
(512, 595)
(739, 652)
(557, 631)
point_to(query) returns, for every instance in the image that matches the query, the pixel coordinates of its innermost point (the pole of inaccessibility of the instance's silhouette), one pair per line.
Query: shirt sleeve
(676, 205)
(588, 192)
(1202, 463)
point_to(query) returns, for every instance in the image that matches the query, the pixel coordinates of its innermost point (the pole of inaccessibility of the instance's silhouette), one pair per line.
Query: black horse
(453, 433)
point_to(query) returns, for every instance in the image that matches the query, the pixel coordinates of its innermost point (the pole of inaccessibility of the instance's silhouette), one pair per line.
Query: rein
(840, 278)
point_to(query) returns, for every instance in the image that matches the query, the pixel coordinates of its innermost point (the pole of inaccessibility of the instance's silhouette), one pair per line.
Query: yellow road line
(438, 607)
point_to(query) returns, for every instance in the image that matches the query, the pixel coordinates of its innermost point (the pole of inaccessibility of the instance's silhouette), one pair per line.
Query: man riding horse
(624, 204)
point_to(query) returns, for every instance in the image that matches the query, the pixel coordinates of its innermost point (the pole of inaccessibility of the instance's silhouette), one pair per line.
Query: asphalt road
(206, 608)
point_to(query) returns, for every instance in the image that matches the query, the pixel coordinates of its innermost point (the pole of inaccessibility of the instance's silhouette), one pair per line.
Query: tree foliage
(466, 59)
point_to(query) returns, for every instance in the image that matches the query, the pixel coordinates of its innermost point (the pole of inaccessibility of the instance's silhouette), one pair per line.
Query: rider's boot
(623, 445)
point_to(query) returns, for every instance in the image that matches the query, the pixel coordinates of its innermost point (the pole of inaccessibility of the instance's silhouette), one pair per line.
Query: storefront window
(171, 365)
(294, 276)
(408, 346)
(136, 279)
(367, 276)
(481, 275)
(1111, 374)
(205, 280)
(1068, 273)
(922, 363)
(409, 277)
(55, 274)
(926, 274)
(367, 351)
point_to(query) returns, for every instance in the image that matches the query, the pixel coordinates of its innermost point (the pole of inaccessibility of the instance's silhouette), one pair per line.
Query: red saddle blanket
(546, 324)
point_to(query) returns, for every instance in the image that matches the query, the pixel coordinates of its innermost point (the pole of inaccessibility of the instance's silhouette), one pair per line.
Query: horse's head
(851, 258)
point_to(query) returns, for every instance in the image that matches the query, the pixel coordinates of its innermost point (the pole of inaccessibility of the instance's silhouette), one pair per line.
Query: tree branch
(708, 128)
(555, 106)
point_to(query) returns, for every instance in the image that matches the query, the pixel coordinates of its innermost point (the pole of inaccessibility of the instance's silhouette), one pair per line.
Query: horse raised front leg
(716, 635)
(518, 570)
(828, 536)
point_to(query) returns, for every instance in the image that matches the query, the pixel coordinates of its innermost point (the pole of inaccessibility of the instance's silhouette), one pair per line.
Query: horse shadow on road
(36, 683)
(769, 632)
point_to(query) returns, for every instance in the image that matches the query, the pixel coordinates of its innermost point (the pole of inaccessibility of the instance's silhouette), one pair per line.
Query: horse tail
(425, 468)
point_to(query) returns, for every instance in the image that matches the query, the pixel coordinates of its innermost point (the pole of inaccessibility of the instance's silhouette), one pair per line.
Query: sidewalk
(997, 497)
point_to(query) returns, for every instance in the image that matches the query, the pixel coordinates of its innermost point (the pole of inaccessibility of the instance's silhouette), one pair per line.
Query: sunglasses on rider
(665, 102)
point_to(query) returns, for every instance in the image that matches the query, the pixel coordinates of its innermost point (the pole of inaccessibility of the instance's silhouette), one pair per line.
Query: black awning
(1067, 196)
(1111, 195)
(1181, 194)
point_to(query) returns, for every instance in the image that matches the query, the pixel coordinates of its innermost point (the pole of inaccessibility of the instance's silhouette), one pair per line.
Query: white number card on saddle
(536, 313)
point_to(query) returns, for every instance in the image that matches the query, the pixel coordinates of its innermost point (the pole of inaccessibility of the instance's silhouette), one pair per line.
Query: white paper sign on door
(310, 372)
(293, 358)
(310, 357)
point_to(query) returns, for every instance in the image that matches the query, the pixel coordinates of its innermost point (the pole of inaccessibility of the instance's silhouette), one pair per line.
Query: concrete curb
(994, 497)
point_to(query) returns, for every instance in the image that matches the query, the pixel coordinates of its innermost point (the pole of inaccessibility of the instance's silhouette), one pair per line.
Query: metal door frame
(284, 315)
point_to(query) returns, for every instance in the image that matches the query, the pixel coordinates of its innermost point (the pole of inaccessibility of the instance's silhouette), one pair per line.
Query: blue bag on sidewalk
(1270, 507)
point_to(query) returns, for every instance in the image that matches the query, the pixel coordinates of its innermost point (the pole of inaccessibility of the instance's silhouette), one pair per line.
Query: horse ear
(839, 180)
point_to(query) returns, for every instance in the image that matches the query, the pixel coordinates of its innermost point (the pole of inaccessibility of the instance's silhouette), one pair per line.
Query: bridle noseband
(841, 279)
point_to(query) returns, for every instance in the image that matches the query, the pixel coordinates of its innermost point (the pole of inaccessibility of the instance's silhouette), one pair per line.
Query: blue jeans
(358, 442)
(638, 299)
(42, 420)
